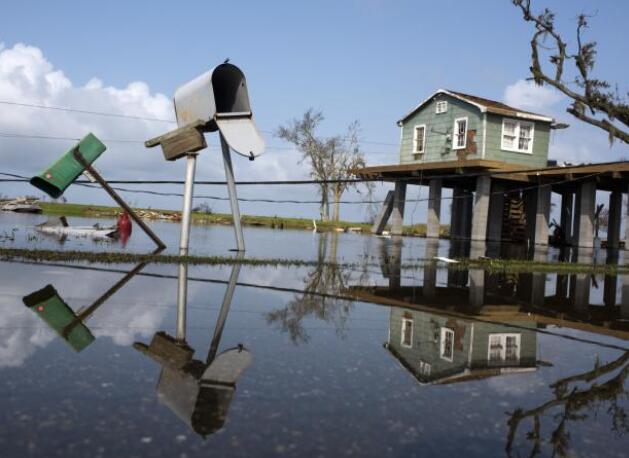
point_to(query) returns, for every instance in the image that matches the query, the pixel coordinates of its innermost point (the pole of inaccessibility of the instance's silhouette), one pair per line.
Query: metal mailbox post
(217, 100)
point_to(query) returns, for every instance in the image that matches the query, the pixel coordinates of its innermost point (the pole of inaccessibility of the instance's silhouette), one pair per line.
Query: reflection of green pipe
(47, 304)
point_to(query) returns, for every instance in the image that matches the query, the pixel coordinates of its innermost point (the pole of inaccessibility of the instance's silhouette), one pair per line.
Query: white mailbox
(219, 100)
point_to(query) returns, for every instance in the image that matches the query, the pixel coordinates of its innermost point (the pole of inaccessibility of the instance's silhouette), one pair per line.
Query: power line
(135, 117)
(295, 201)
(115, 140)
(76, 110)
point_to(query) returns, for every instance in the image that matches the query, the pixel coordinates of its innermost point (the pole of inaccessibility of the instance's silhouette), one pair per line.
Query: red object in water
(124, 227)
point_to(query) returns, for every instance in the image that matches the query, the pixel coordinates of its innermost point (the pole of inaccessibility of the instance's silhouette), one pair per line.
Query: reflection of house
(445, 349)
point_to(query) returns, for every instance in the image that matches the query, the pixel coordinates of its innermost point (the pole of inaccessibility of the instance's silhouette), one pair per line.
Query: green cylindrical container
(56, 178)
(47, 304)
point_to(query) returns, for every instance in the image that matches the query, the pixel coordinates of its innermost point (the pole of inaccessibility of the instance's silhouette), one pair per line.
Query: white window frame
(441, 107)
(415, 128)
(455, 133)
(503, 352)
(442, 344)
(425, 368)
(406, 322)
(516, 134)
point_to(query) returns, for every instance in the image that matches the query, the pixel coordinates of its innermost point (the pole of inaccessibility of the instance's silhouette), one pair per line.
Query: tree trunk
(325, 205)
(337, 204)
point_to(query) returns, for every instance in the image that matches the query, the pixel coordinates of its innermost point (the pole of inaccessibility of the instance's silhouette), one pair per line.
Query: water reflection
(199, 392)
(474, 363)
(577, 398)
(68, 324)
(320, 286)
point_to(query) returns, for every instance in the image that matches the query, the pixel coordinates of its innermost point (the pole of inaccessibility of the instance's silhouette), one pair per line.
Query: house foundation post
(456, 220)
(434, 209)
(584, 214)
(397, 214)
(542, 214)
(481, 208)
(567, 201)
(496, 212)
(384, 215)
(613, 224)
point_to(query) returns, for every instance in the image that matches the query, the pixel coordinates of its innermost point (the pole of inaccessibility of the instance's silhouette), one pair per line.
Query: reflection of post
(430, 270)
(581, 283)
(182, 299)
(222, 315)
(538, 287)
(233, 197)
(624, 299)
(610, 283)
(395, 263)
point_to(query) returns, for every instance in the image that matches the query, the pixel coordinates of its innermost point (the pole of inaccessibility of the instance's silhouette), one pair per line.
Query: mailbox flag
(49, 306)
(56, 178)
(241, 134)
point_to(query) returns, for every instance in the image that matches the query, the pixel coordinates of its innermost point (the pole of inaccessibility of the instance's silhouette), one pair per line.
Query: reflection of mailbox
(59, 316)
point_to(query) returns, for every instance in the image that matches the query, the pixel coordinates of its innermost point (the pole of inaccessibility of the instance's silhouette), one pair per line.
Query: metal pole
(184, 240)
(79, 157)
(182, 299)
(222, 314)
(191, 161)
(233, 197)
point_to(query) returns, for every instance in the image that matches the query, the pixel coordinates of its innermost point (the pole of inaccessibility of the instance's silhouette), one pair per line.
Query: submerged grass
(490, 265)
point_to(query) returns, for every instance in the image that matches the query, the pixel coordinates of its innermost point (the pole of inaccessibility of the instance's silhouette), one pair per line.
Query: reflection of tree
(573, 402)
(317, 299)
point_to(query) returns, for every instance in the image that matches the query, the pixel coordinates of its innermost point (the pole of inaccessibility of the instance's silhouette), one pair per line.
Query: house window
(447, 344)
(517, 136)
(504, 349)
(419, 139)
(424, 368)
(460, 133)
(407, 333)
(442, 107)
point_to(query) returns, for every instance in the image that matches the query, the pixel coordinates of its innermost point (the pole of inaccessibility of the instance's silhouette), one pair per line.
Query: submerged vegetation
(490, 265)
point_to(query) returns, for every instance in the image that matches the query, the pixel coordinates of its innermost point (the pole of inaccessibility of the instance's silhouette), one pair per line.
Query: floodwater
(375, 360)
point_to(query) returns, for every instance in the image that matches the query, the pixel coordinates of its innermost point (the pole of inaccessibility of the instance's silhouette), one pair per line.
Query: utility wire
(295, 201)
(116, 140)
(140, 118)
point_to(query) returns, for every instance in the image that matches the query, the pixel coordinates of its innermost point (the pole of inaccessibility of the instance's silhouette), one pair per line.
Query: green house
(451, 126)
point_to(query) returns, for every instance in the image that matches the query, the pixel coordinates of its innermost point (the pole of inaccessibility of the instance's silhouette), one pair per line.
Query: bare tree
(330, 159)
(594, 101)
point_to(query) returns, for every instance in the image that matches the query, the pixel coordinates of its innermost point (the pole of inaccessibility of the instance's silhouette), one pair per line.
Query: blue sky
(367, 60)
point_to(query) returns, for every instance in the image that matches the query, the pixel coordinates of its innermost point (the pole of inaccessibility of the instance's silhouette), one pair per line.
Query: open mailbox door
(219, 99)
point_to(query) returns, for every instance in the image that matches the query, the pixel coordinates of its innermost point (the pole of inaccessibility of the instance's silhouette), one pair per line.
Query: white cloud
(26, 76)
(529, 96)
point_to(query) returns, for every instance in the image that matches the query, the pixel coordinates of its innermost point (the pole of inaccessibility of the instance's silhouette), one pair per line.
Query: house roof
(484, 105)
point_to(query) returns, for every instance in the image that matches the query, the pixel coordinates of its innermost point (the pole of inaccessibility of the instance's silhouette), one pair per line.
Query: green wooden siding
(438, 147)
(427, 336)
(440, 126)
(426, 342)
(528, 342)
(541, 139)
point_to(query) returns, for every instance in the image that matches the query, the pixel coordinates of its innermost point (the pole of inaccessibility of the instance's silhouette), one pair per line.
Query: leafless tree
(330, 158)
(594, 101)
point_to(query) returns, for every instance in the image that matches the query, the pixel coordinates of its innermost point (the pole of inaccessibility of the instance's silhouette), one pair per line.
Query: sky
(370, 61)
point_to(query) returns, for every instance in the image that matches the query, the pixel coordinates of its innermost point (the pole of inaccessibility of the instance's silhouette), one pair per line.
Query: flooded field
(376, 360)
